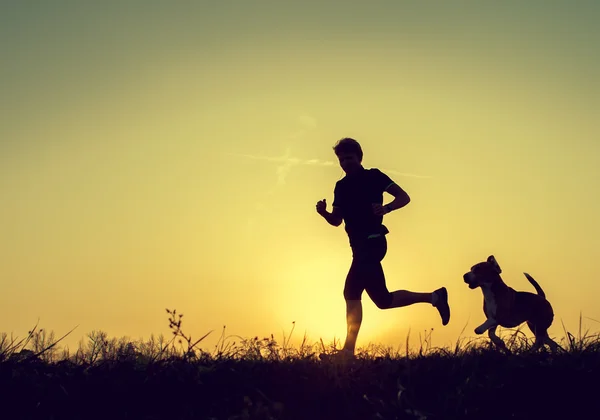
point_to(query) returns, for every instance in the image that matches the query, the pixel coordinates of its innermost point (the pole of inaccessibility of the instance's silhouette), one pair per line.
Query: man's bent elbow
(405, 199)
(401, 202)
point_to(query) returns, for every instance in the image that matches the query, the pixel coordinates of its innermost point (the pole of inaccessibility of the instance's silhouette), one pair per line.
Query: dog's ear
(492, 260)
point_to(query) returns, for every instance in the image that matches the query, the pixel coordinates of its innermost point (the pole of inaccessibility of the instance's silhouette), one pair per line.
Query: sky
(162, 155)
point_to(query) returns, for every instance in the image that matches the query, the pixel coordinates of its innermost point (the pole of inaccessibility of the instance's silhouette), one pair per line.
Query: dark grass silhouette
(257, 378)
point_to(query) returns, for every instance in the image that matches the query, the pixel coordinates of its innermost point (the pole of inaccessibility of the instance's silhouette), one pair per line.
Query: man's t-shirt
(354, 195)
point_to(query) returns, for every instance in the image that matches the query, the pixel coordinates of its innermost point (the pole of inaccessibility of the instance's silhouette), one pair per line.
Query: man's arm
(334, 218)
(401, 198)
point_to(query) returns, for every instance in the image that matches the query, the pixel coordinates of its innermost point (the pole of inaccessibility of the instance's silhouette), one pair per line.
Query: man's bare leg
(353, 321)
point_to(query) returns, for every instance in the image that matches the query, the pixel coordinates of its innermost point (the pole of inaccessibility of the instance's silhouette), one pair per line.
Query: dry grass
(262, 378)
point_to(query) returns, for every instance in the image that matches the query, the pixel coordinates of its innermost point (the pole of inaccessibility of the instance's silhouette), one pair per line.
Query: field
(260, 378)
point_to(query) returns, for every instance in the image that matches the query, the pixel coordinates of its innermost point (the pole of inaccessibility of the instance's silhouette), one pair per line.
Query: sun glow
(313, 299)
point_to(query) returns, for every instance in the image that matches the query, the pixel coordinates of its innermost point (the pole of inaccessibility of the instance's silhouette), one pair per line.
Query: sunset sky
(162, 154)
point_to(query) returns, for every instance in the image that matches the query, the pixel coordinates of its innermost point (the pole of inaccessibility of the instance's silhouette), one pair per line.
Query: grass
(261, 378)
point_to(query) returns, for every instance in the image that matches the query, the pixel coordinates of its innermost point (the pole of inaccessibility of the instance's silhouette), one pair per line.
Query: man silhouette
(358, 202)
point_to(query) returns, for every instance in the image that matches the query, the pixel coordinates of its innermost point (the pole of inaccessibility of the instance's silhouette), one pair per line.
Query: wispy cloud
(287, 161)
(283, 167)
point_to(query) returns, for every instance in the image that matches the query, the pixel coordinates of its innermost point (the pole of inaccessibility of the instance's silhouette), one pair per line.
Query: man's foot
(338, 356)
(440, 301)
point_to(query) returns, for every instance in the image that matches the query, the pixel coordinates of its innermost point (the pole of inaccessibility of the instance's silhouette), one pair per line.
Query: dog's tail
(536, 285)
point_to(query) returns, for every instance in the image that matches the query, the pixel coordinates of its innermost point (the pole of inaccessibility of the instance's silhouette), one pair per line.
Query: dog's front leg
(489, 323)
(497, 340)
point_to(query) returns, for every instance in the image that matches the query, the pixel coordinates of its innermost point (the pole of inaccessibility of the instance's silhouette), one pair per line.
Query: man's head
(349, 154)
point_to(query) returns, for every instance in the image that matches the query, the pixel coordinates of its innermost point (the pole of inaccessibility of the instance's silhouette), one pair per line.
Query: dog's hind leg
(539, 343)
(497, 340)
(541, 338)
(554, 346)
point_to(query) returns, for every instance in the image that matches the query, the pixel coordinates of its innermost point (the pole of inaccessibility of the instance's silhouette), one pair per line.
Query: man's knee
(351, 294)
(382, 300)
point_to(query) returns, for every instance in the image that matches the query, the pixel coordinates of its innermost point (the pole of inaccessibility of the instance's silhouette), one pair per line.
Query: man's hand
(379, 210)
(321, 207)
(334, 218)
